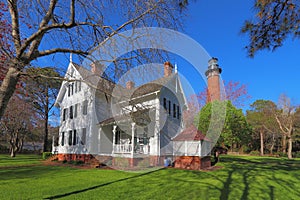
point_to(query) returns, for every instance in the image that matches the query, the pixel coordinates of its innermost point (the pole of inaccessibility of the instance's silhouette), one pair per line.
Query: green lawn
(6, 160)
(241, 178)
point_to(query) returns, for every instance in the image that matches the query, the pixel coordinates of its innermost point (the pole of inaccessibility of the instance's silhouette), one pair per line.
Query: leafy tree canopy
(235, 129)
(274, 21)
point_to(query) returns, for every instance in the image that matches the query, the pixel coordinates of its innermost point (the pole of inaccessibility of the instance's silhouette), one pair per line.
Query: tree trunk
(8, 87)
(273, 144)
(284, 144)
(46, 120)
(12, 152)
(290, 146)
(261, 142)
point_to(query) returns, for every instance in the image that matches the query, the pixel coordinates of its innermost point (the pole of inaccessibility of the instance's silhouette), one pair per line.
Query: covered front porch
(126, 139)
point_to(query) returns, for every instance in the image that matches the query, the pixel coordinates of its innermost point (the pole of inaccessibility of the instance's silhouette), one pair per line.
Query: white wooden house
(104, 119)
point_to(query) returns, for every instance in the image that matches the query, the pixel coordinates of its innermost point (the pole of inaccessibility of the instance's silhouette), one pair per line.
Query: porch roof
(137, 117)
(191, 134)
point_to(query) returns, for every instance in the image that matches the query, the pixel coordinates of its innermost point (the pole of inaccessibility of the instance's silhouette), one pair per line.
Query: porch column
(53, 147)
(132, 138)
(114, 138)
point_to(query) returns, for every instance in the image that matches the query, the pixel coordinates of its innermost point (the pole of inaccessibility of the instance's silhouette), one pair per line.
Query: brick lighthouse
(213, 80)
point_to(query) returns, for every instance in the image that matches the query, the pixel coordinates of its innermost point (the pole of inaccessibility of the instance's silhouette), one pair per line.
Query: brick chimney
(168, 68)
(129, 85)
(96, 68)
(213, 80)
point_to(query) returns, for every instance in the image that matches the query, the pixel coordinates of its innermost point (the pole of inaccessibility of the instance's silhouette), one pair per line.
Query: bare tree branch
(60, 50)
(36, 42)
(13, 9)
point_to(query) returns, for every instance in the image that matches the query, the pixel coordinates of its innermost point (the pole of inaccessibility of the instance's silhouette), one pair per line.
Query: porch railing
(122, 148)
(127, 148)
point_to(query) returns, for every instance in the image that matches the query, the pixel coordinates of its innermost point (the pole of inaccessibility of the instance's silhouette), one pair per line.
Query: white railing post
(114, 138)
(132, 137)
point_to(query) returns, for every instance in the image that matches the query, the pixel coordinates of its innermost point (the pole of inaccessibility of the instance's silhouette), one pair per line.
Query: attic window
(169, 107)
(77, 86)
(70, 89)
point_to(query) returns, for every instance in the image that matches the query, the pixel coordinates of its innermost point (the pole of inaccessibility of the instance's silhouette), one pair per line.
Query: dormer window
(77, 86)
(70, 89)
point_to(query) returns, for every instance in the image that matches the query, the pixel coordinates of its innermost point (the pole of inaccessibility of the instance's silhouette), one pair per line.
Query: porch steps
(103, 161)
(52, 158)
(94, 163)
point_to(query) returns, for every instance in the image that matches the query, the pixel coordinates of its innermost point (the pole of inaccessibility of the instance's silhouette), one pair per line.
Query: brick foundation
(86, 158)
(150, 161)
(118, 162)
(192, 162)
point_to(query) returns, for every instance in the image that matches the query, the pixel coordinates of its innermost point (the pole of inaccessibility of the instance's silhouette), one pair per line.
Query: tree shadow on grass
(248, 169)
(27, 171)
(101, 185)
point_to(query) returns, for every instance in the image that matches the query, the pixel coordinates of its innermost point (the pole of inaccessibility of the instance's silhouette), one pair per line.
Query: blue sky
(215, 24)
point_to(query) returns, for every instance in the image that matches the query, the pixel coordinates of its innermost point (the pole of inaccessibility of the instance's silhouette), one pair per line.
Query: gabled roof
(111, 88)
(103, 84)
(190, 134)
(150, 87)
(94, 80)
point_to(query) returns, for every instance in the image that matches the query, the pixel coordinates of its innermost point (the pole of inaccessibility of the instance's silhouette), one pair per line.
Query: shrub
(296, 154)
(79, 162)
(254, 153)
(46, 155)
(281, 154)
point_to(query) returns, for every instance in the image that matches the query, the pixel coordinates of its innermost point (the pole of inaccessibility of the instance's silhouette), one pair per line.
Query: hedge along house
(123, 125)
(191, 148)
